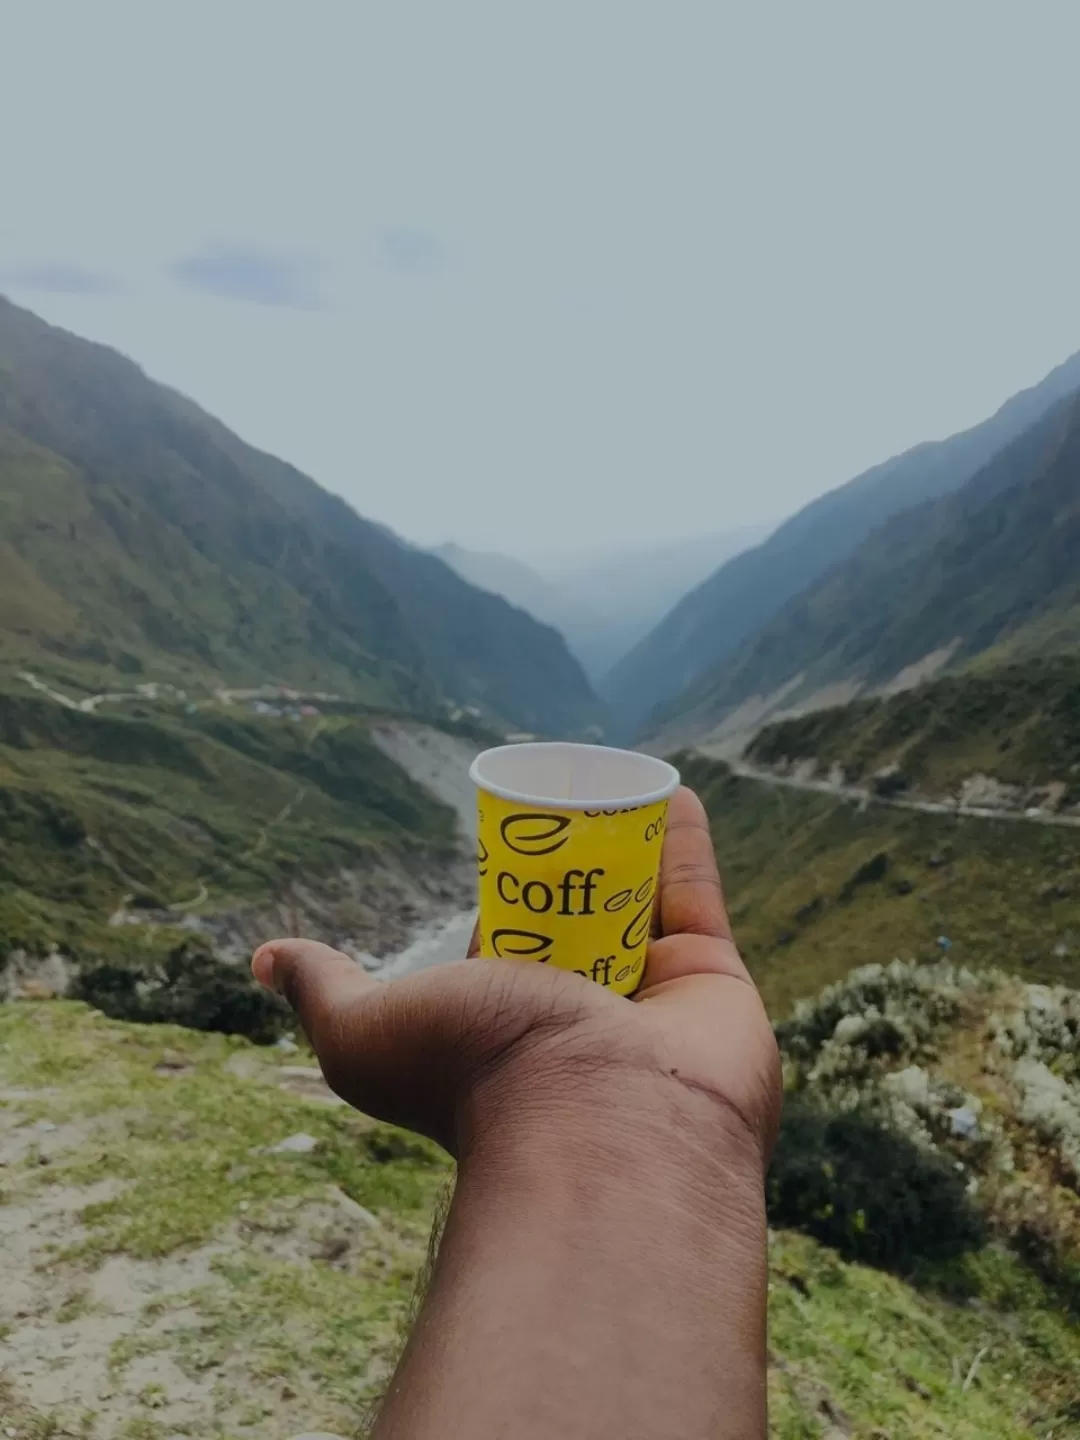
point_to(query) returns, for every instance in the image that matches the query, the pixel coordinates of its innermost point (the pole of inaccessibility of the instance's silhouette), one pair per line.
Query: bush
(189, 987)
(852, 1181)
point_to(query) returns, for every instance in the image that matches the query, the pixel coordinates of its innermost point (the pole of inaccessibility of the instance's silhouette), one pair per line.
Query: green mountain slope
(138, 534)
(164, 812)
(1017, 724)
(995, 563)
(817, 885)
(743, 595)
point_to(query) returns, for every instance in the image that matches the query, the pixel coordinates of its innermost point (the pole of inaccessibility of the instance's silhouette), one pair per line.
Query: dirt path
(860, 795)
(279, 819)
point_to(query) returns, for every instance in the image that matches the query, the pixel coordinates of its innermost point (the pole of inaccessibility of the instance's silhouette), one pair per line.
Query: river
(432, 945)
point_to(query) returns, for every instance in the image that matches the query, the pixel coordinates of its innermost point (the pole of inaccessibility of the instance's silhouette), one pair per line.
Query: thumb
(334, 1000)
(313, 978)
(385, 1048)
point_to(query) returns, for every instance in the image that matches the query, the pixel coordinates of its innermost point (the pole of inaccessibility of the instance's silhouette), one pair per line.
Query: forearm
(602, 1274)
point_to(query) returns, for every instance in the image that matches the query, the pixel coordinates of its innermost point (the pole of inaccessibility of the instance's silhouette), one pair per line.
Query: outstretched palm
(424, 1051)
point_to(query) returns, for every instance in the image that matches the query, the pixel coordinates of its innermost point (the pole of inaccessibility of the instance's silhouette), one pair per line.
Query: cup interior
(576, 777)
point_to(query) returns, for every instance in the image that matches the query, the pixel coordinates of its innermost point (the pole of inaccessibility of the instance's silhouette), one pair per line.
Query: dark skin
(603, 1268)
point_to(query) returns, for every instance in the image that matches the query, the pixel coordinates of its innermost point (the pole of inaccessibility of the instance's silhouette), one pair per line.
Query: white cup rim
(664, 776)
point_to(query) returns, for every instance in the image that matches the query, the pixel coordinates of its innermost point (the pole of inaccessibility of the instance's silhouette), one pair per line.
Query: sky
(578, 274)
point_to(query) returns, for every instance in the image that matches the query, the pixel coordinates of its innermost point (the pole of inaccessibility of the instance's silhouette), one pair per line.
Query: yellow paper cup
(569, 843)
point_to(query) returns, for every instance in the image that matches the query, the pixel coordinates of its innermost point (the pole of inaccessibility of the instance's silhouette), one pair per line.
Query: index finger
(691, 896)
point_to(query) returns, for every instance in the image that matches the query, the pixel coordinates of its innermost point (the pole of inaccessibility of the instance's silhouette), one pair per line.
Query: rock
(889, 780)
(984, 792)
(34, 977)
(298, 1144)
(173, 1060)
(286, 1045)
(316, 1435)
(963, 1123)
(354, 1209)
(34, 990)
(302, 1072)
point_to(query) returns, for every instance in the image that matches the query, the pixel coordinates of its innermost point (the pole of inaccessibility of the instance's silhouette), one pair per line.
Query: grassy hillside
(172, 809)
(711, 622)
(817, 886)
(268, 1297)
(138, 536)
(993, 564)
(1018, 723)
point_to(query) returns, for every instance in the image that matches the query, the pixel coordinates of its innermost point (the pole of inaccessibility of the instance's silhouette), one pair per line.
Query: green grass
(810, 898)
(198, 1135)
(185, 1153)
(856, 1343)
(276, 1342)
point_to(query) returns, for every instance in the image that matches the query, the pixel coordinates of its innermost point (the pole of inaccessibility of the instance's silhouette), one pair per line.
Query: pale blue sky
(536, 275)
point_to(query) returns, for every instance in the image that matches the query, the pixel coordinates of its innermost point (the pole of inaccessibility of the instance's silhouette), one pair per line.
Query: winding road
(862, 796)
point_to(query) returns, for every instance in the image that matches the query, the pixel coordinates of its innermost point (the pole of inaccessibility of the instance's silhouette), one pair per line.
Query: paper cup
(569, 842)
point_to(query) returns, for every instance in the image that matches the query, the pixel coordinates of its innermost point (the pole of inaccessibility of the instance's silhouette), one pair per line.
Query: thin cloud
(407, 250)
(60, 277)
(289, 279)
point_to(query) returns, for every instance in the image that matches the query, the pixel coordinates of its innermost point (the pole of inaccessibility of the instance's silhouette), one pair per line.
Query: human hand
(455, 1049)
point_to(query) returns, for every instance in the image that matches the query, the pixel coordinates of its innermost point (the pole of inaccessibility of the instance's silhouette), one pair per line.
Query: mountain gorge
(681, 667)
(993, 566)
(603, 601)
(140, 537)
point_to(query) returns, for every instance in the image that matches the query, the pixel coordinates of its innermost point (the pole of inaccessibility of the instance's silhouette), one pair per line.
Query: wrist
(630, 1133)
(570, 1092)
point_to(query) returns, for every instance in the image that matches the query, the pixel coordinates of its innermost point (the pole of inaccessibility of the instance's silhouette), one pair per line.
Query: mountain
(995, 565)
(597, 599)
(617, 596)
(1005, 736)
(746, 592)
(139, 536)
(816, 883)
(520, 585)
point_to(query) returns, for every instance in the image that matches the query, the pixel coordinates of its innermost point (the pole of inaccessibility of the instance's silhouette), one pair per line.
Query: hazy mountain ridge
(995, 563)
(138, 530)
(602, 601)
(743, 595)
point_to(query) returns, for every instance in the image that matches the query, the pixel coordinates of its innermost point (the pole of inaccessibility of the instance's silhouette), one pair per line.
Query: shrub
(854, 1182)
(189, 987)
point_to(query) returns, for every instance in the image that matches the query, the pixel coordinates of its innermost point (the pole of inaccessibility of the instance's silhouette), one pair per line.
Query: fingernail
(262, 966)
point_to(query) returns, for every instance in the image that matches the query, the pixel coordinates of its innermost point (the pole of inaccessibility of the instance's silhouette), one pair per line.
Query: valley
(232, 708)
